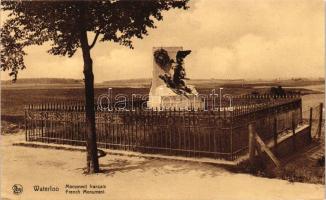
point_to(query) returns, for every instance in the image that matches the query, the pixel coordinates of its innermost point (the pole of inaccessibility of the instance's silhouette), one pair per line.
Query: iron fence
(220, 133)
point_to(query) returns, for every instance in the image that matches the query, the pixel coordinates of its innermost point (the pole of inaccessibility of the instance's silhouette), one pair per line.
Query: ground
(134, 178)
(305, 166)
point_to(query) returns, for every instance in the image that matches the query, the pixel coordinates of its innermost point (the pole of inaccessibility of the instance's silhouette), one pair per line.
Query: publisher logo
(17, 189)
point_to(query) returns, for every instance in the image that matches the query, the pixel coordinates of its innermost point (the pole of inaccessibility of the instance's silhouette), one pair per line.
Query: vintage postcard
(162, 99)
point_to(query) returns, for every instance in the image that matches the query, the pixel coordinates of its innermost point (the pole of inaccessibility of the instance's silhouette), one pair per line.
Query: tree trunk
(91, 146)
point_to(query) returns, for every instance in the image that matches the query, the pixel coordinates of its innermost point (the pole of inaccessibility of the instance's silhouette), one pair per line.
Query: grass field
(13, 100)
(15, 97)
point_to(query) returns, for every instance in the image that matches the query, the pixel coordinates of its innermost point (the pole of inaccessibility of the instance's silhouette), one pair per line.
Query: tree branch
(95, 38)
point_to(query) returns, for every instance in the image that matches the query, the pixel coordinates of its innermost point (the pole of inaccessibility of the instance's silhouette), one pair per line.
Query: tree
(277, 91)
(65, 25)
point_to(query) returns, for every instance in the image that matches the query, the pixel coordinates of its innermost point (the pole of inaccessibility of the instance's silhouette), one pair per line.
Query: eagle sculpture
(175, 82)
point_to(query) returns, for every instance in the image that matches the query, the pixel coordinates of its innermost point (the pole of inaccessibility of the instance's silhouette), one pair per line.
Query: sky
(233, 39)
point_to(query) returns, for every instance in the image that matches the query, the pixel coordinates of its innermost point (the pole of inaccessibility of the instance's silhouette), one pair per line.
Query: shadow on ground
(109, 167)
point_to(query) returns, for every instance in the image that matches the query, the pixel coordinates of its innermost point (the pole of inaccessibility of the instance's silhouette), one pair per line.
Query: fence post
(252, 143)
(300, 102)
(42, 124)
(320, 119)
(26, 138)
(231, 134)
(275, 134)
(310, 123)
(293, 132)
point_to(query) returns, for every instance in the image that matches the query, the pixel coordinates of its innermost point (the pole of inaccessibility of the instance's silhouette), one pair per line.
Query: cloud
(123, 63)
(213, 62)
(251, 39)
(40, 64)
(228, 39)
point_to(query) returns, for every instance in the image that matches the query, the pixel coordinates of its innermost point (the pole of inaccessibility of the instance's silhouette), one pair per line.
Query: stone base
(167, 99)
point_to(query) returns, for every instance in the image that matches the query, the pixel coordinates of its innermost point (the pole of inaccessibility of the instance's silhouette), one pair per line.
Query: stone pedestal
(160, 96)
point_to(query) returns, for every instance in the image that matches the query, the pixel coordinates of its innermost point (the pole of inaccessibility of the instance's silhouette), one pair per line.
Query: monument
(168, 88)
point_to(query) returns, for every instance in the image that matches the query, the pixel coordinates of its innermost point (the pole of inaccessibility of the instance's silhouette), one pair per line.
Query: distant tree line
(45, 81)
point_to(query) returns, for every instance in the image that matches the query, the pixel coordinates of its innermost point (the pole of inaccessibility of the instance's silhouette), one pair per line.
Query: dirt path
(134, 178)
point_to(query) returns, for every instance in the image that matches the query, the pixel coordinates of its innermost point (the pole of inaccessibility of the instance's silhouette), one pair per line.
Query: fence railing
(315, 117)
(218, 133)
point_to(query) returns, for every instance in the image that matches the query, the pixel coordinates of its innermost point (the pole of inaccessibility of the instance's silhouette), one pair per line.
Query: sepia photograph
(162, 99)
